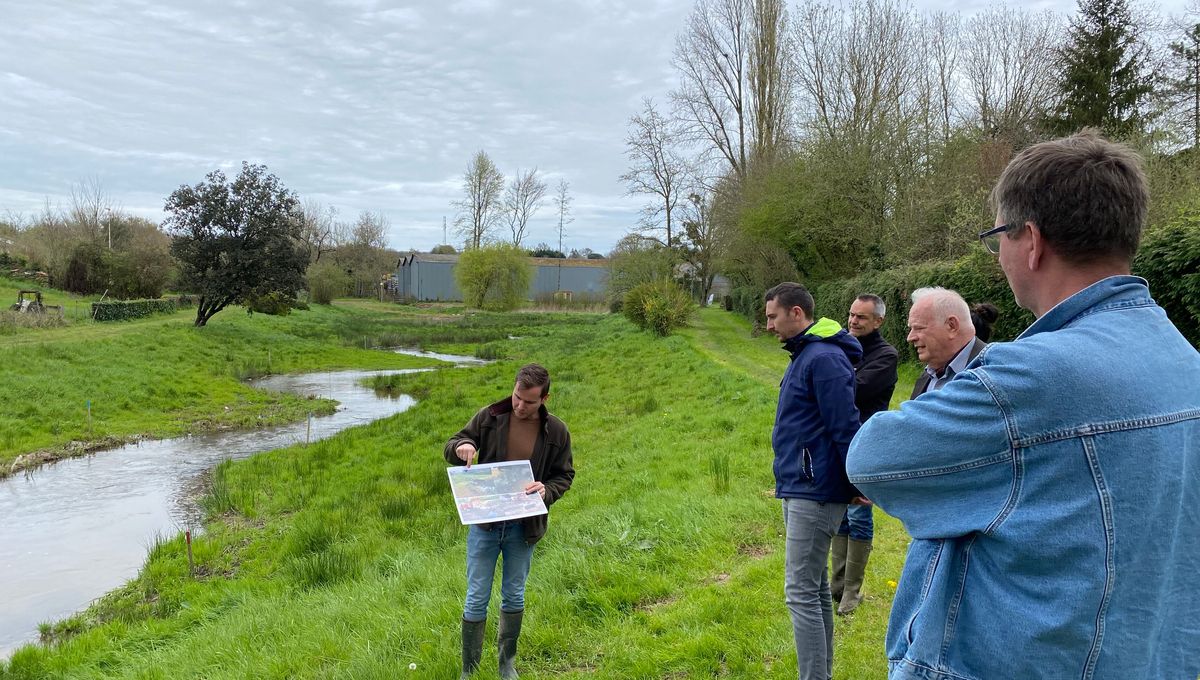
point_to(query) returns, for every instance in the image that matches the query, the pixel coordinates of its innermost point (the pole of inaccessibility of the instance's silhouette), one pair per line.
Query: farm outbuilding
(427, 277)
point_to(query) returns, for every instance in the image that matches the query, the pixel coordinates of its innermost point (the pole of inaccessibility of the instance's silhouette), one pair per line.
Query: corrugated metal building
(427, 277)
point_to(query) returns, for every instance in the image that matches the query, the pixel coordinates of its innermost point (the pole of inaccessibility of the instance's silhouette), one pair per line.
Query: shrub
(660, 306)
(326, 281)
(139, 271)
(494, 277)
(118, 310)
(87, 270)
(274, 303)
(1170, 260)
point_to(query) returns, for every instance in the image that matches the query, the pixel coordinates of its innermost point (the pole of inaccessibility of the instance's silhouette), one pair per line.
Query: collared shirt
(957, 365)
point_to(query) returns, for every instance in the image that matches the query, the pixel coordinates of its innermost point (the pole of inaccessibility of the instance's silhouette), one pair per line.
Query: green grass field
(160, 377)
(345, 559)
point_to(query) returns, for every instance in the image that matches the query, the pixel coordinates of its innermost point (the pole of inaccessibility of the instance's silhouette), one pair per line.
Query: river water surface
(76, 529)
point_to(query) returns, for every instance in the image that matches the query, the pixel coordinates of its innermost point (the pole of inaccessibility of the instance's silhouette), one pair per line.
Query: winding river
(76, 529)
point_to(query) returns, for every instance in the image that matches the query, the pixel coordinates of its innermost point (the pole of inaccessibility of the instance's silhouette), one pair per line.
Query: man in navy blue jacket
(814, 423)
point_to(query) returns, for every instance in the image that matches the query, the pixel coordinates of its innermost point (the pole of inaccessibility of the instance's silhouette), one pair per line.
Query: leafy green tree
(1105, 81)
(236, 240)
(494, 277)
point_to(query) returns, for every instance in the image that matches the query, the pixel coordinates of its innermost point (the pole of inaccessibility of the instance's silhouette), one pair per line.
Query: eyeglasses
(991, 238)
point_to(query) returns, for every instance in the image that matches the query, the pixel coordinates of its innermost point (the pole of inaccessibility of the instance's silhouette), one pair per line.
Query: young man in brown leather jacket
(517, 427)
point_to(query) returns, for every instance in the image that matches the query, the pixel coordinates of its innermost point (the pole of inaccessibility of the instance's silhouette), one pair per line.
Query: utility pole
(444, 238)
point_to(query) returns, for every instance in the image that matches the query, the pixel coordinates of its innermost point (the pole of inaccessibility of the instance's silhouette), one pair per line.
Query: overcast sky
(358, 104)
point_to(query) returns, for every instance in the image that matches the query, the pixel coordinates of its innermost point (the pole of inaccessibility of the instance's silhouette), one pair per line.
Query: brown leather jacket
(551, 461)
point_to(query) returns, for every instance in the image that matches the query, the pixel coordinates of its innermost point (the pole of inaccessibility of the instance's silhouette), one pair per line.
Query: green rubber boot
(837, 580)
(857, 553)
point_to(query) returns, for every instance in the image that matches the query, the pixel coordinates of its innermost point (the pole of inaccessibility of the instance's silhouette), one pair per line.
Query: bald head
(939, 325)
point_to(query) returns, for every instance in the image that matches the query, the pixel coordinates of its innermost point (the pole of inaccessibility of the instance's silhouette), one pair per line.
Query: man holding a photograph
(517, 427)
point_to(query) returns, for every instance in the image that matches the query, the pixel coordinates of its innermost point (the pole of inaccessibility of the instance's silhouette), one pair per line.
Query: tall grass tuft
(11, 322)
(310, 536)
(219, 499)
(249, 369)
(718, 471)
(397, 507)
(489, 352)
(324, 568)
(640, 407)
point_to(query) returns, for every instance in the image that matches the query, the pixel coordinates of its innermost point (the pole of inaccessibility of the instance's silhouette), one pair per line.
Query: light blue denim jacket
(1052, 491)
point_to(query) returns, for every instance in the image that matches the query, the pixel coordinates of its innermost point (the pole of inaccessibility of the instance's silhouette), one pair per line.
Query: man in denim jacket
(1052, 489)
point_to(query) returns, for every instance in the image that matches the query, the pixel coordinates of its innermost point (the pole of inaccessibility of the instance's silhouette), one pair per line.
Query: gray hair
(880, 307)
(946, 303)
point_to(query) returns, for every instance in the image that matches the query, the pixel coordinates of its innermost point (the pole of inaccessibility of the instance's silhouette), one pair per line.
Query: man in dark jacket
(875, 379)
(814, 423)
(515, 428)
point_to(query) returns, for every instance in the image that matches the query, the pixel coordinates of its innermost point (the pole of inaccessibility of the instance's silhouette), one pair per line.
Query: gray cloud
(360, 104)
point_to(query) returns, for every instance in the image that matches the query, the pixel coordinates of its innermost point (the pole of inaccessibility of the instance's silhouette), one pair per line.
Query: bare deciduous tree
(656, 168)
(940, 92)
(771, 77)
(318, 229)
(480, 208)
(562, 205)
(1006, 65)
(858, 67)
(1182, 79)
(370, 231)
(735, 73)
(522, 198)
(92, 213)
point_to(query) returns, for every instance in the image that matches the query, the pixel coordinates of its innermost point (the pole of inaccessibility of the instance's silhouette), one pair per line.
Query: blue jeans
(484, 547)
(858, 523)
(810, 526)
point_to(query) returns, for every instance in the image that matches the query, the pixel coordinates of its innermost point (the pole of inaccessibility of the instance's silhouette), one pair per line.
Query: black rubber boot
(472, 646)
(506, 642)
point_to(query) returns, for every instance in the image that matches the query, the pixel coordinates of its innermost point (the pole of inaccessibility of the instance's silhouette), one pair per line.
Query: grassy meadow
(345, 559)
(159, 377)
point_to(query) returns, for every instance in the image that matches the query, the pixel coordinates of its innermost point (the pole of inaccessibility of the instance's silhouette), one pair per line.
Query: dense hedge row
(124, 310)
(1169, 259)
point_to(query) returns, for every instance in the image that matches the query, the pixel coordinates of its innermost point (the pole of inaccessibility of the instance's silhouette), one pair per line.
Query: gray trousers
(810, 526)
